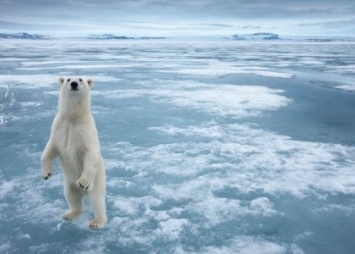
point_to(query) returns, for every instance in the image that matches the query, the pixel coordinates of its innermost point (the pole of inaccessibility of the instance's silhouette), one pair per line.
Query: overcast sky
(179, 17)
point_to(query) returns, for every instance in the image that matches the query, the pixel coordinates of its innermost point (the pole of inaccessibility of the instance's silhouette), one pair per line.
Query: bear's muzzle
(74, 86)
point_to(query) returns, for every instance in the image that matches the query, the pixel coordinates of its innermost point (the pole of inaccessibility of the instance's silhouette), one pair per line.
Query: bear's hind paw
(97, 223)
(70, 215)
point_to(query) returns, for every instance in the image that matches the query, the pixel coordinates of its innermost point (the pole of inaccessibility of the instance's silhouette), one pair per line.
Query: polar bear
(74, 140)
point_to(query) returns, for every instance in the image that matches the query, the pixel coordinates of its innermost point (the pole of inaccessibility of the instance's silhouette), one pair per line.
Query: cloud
(89, 15)
(342, 26)
(331, 24)
(251, 27)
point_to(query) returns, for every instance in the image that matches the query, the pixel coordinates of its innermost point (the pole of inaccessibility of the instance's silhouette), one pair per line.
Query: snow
(216, 147)
(346, 87)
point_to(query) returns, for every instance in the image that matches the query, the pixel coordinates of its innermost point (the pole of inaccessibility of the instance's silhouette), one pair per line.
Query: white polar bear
(74, 139)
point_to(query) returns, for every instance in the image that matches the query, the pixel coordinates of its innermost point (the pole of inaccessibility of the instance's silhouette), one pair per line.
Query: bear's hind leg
(74, 198)
(98, 206)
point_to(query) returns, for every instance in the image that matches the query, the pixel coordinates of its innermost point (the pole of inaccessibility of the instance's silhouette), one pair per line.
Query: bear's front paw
(46, 173)
(84, 184)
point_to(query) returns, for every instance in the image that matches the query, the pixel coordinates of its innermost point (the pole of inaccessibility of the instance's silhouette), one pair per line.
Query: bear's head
(75, 86)
(74, 98)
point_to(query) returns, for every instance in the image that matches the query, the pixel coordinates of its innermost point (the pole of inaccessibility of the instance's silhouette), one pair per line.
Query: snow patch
(222, 69)
(247, 245)
(222, 100)
(350, 88)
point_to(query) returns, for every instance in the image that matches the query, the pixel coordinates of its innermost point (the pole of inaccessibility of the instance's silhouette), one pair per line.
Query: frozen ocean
(210, 147)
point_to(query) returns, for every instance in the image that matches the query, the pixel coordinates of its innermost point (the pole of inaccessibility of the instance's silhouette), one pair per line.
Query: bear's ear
(61, 80)
(90, 82)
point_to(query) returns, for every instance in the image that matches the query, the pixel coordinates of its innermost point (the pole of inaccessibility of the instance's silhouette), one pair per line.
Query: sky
(178, 18)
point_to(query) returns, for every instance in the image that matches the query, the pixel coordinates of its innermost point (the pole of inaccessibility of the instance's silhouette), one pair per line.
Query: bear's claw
(70, 215)
(97, 223)
(84, 184)
(46, 177)
(47, 172)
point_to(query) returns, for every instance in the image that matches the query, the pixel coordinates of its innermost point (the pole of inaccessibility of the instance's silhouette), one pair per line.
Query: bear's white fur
(74, 140)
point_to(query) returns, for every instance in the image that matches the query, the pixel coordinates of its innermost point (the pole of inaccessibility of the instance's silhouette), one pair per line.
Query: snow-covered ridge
(256, 36)
(25, 36)
(121, 37)
(264, 36)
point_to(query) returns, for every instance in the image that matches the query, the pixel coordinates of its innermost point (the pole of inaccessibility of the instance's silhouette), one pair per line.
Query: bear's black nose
(74, 85)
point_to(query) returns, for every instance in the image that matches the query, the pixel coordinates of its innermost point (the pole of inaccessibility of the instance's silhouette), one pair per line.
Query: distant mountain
(108, 37)
(327, 39)
(120, 37)
(256, 36)
(25, 36)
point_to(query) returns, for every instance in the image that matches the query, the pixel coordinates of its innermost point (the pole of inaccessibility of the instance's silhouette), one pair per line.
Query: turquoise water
(220, 147)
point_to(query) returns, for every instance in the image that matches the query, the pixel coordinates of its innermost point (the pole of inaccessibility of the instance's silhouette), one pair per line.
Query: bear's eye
(80, 80)
(68, 79)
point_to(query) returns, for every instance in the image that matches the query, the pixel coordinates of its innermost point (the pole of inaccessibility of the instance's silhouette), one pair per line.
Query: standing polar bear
(74, 139)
